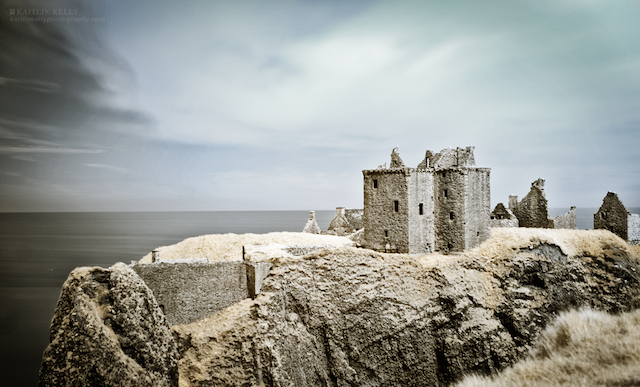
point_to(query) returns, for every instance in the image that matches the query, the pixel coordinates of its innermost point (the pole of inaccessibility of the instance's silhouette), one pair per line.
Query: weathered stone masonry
(532, 210)
(188, 292)
(503, 217)
(443, 205)
(613, 216)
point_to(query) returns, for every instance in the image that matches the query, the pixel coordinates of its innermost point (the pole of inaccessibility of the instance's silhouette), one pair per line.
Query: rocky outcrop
(347, 316)
(108, 330)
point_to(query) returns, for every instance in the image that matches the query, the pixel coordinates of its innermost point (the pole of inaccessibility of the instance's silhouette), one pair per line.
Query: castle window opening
(451, 216)
(421, 208)
(386, 233)
(444, 174)
(375, 183)
(446, 193)
(396, 205)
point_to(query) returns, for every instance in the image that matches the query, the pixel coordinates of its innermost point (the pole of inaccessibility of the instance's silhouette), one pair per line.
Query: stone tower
(442, 205)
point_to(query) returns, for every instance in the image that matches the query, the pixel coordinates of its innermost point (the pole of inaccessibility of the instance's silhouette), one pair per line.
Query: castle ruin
(532, 210)
(503, 217)
(613, 216)
(442, 205)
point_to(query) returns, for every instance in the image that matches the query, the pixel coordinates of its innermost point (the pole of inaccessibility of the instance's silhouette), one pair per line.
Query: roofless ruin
(441, 205)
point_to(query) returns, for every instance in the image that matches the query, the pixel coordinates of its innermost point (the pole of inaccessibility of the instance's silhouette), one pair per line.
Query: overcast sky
(279, 105)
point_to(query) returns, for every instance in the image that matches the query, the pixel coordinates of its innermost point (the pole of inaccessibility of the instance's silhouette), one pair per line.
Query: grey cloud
(43, 149)
(47, 89)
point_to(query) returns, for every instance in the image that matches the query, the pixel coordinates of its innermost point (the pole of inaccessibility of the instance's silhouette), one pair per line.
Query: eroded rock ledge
(353, 317)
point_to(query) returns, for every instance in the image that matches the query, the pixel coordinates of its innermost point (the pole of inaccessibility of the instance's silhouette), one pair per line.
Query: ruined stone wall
(532, 210)
(188, 292)
(612, 216)
(421, 230)
(453, 158)
(354, 217)
(494, 223)
(566, 220)
(383, 224)
(312, 226)
(503, 217)
(340, 225)
(449, 209)
(633, 233)
(477, 206)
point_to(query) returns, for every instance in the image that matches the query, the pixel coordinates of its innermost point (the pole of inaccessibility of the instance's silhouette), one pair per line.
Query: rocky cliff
(108, 331)
(353, 317)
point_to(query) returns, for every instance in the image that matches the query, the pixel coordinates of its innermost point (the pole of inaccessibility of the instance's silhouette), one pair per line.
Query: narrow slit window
(446, 193)
(375, 183)
(386, 233)
(396, 205)
(451, 216)
(444, 174)
(421, 208)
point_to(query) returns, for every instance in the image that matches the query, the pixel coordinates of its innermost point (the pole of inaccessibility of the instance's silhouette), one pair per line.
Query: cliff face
(108, 331)
(353, 317)
(348, 316)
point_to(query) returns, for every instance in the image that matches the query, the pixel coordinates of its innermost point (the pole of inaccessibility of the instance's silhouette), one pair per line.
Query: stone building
(502, 217)
(312, 226)
(339, 224)
(613, 216)
(532, 210)
(442, 205)
(345, 222)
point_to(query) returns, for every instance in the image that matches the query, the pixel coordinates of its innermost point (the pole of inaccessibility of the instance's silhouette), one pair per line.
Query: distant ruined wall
(495, 223)
(453, 158)
(354, 217)
(532, 210)
(613, 216)
(566, 220)
(189, 292)
(312, 226)
(634, 229)
(339, 224)
(385, 225)
(503, 217)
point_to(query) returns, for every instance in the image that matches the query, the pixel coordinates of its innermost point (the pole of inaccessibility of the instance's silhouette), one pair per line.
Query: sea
(38, 250)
